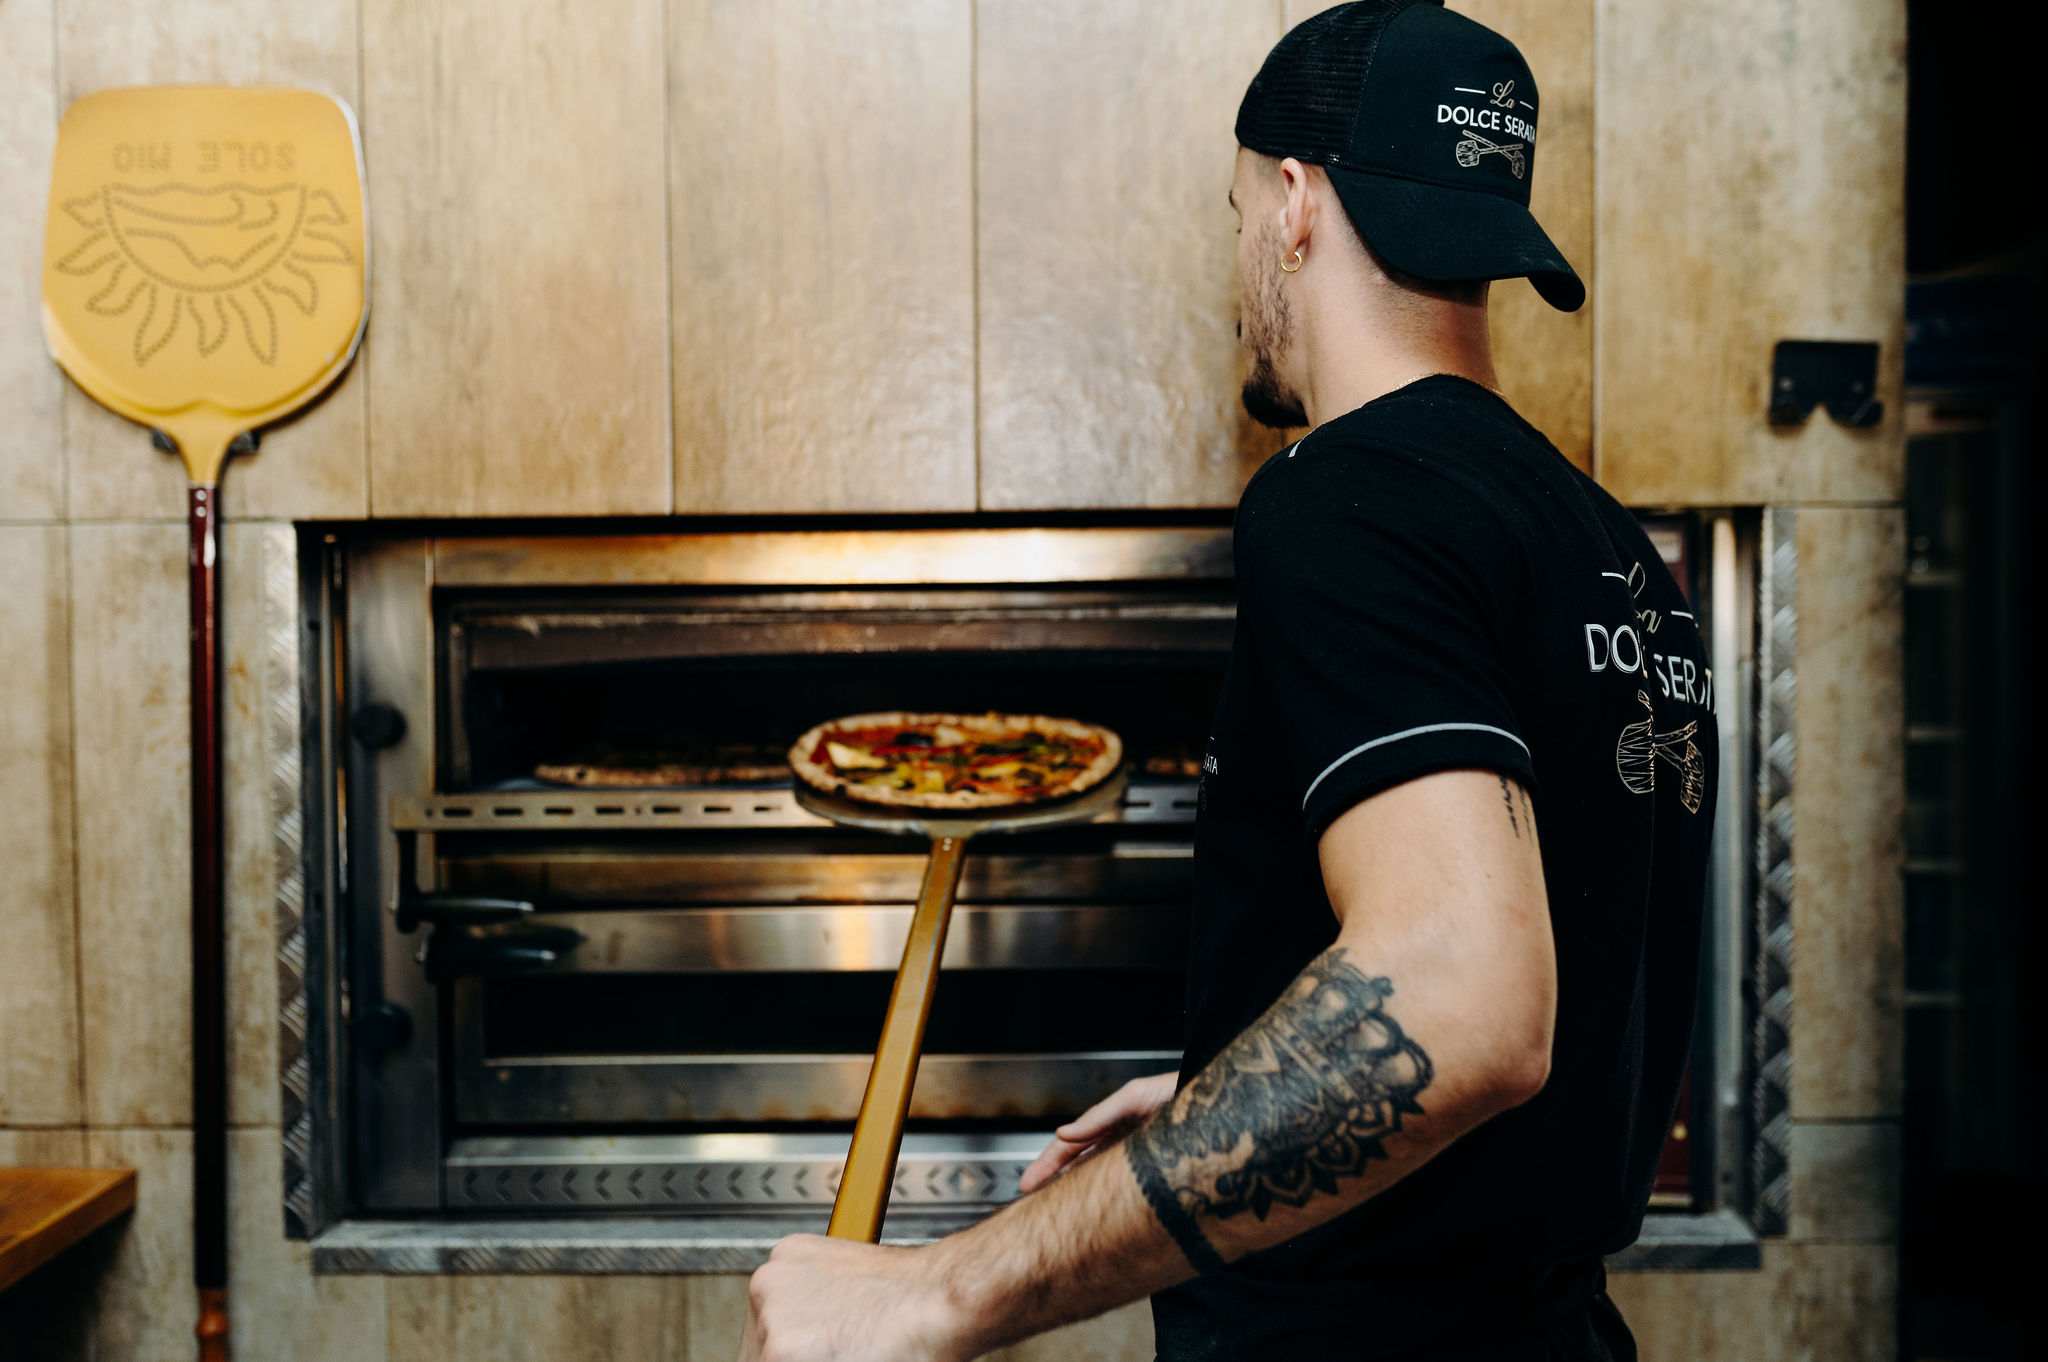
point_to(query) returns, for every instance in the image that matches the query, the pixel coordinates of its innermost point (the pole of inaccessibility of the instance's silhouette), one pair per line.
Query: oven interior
(629, 931)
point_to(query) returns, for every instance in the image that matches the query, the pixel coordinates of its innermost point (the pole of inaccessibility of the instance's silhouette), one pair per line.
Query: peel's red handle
(209, 983)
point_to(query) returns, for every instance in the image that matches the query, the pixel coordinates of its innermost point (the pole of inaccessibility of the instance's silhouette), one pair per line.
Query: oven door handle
(443, 910)
(450, 952)
(456, 910)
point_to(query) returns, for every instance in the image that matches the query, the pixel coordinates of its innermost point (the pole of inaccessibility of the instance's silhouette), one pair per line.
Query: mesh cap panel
(1304, 99)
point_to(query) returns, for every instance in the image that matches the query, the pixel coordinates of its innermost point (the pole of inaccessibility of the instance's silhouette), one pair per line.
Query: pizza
(955, 761)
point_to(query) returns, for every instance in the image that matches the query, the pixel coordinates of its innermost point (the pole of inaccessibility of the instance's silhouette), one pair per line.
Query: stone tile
(1848, 913)
(46, 1147)
(316, 465)
(277, 1308)
(31, 388)
(130, 686)
(538, 1319)
(718, 1311)
(1751, 187)
(250, 553)
(142, 1309)
(518, 357)
(1809, 1303)
(39, 966)
(843, 379)
(1845, 1180)
(1102, 348)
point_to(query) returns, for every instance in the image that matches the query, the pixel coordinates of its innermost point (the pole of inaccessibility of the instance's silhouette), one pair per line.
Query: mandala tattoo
(1304, 1097)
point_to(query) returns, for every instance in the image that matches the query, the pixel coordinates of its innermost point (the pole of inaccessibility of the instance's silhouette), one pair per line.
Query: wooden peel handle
(871, 1162)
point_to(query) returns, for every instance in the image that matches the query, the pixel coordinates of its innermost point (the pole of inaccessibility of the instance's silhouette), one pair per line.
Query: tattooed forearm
(1304, 1097)
(1507, 798)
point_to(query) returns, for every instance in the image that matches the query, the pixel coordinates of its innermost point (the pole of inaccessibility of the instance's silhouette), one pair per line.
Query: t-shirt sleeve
(1382, 636)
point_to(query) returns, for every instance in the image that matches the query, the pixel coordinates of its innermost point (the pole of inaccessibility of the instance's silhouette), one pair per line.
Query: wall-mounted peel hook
(1838, 375)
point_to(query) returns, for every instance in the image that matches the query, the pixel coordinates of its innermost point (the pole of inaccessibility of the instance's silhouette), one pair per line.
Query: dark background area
(1973, 1114)
(1973, 90)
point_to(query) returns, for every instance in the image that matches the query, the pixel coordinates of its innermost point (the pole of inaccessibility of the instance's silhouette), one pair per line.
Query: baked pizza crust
(987, 725)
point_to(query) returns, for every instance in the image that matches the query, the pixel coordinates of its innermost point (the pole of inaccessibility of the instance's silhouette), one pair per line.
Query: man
(1453, 832)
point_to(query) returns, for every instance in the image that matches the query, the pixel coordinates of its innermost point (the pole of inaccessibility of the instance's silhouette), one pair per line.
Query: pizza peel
(878, 1133)
(204, 276)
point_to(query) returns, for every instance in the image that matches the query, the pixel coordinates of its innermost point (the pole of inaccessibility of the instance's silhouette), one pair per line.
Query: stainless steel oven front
(597, 958)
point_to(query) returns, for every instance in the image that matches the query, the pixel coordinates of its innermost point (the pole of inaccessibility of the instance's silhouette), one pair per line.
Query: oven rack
(696, 810)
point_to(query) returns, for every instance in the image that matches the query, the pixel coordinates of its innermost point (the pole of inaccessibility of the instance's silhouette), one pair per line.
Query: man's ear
(1298, 217)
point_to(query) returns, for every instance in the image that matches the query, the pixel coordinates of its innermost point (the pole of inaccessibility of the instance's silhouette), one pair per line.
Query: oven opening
(712, 691)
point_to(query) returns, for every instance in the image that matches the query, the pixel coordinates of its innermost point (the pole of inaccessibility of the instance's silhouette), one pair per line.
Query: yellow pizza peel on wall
(205, 257)
(203, 274)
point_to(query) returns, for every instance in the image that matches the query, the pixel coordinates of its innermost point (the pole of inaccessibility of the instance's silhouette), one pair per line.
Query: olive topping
(912, 738)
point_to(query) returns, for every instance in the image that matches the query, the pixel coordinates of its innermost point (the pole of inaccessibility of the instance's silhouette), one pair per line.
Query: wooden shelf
(44, 1211)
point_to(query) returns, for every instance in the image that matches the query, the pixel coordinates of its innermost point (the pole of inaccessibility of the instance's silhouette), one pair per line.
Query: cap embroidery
(1473, 146)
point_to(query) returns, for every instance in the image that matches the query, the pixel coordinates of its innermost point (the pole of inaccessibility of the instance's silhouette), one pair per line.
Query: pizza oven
(593, 955)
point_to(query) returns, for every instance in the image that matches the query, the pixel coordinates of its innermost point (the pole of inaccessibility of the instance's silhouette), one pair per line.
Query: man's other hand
(834, 1300)
(1108, 1121)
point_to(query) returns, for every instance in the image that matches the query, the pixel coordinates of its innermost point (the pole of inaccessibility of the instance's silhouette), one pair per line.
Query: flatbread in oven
(603, 775)
(955, 761)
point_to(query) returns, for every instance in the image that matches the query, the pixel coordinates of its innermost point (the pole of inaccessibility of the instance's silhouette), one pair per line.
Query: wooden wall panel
(39, 952)
(1752, 189)
(518, 346)
(1848, 859)
(1108, 284)
(31, 390)
(1545, 357)
(1811, 1301)
(130, 702)
(539, 1319)
(314, 465)
(823, 254)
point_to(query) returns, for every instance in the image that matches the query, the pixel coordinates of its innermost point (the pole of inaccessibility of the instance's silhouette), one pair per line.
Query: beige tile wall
(31, 395)
(92, 613)
(39, 1069)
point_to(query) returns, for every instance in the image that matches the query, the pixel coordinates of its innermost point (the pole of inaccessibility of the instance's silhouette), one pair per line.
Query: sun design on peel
(205, 264)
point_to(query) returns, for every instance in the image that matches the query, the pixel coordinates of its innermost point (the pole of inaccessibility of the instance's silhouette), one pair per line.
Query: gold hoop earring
(1299, 261)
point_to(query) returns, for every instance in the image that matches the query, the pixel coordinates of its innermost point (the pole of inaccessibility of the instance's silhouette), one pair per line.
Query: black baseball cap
(1426, 123)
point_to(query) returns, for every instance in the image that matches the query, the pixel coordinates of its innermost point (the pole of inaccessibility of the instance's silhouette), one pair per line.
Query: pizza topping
(853, 759)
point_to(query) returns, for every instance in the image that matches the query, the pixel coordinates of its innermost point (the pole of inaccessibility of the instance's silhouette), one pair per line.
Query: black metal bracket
(1838, 375)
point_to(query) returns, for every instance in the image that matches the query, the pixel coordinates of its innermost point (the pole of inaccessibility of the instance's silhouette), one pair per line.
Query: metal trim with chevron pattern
(1770, 1189)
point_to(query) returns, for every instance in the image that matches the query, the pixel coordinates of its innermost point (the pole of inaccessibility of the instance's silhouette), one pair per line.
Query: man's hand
(1102, 1125)
(833, 1300)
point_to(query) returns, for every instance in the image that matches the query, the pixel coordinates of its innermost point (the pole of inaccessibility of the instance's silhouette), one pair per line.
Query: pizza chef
(1449, 863)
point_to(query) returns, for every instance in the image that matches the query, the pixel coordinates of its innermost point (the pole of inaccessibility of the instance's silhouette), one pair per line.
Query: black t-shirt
(1426, 584)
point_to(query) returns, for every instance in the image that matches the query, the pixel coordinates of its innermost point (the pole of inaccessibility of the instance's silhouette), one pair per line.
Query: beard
(1268, 322)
